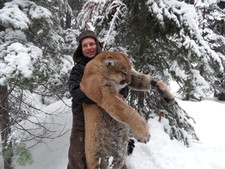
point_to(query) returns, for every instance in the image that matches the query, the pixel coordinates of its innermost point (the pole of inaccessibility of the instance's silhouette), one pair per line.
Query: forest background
(175, 40)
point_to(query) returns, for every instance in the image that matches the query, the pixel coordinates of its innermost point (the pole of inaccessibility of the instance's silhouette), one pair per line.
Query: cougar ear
(109, 61)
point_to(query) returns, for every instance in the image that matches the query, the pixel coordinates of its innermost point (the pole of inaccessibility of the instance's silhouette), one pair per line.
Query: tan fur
(107, 123)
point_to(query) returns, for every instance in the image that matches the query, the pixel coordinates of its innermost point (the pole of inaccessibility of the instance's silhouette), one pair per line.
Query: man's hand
(130, 146)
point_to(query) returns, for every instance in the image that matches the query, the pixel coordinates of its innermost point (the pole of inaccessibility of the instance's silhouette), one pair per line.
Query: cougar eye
(124, 73)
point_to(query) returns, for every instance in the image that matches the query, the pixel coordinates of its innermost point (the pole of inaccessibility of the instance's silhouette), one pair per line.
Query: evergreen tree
(152, 44)
(213, 27)
(34, 58)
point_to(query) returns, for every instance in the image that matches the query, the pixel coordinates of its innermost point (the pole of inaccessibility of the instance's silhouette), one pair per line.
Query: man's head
(89, 46)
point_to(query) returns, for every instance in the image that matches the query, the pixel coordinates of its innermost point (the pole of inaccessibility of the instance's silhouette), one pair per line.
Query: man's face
(89, 47)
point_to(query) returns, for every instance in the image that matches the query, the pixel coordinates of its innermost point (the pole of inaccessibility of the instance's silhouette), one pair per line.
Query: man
(88, 48)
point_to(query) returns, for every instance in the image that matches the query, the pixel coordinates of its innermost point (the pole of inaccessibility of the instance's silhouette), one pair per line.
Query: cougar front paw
(141, 131)
(164, 92)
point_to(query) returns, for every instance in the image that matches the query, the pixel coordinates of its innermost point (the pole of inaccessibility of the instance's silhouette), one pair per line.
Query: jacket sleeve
(74, 86)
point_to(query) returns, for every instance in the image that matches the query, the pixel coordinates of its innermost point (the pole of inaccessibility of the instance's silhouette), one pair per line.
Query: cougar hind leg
(111, 149)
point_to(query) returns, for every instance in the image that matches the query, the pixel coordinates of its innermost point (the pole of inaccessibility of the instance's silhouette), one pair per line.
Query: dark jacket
(78, 97)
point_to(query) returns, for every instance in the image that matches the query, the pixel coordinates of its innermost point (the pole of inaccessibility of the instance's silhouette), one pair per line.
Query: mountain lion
(107, 122)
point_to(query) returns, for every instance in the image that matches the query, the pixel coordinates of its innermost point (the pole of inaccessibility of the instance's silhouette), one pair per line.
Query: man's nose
(88, 46)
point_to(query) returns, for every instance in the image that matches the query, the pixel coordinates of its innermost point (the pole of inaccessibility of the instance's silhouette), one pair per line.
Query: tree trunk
(68, 20)
(5, 130)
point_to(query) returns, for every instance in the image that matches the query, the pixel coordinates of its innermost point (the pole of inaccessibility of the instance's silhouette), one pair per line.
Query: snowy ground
(160, 152)
(208, 153)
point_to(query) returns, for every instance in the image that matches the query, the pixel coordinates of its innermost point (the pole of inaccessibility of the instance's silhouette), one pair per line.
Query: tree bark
(7, 150)
(68, 20)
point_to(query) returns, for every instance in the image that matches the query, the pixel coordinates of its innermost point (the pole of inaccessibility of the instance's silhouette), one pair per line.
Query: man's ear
(109, 61)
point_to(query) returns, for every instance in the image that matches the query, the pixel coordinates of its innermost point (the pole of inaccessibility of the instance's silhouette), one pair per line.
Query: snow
(12, 14)
(17, 55)
(18, 60)
(15, 17)
(159, 153)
